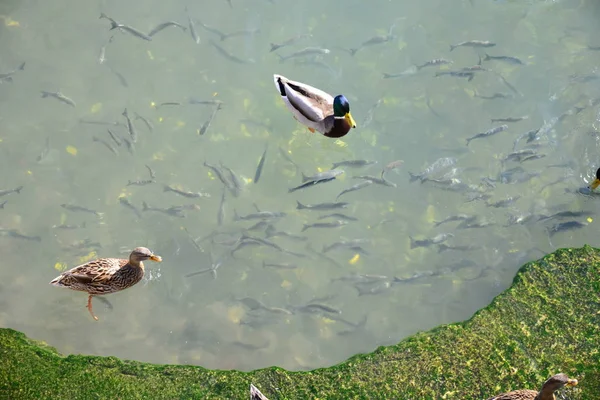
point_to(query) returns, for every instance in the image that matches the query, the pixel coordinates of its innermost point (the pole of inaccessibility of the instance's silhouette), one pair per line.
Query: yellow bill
(350, 120)
(156, 258)
(595, 184)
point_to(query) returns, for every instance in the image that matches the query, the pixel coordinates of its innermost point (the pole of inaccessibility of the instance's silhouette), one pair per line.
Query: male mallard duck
(547, 393)
(318, 110)
(596, 182)
(106, 275)
(255, 394)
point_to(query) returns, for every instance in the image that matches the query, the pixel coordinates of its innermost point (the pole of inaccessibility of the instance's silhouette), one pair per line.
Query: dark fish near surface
(75, 208)
(321, 206)
(353, 163)
(3, 204)
(287, 157)
(353, 188)
(442, 237)
(261, 164)
(507, 59)
(565, 214)
(390, 166)
(333, 224)
(510, 119)
(194, 100)
(236, 184)
(275, 46)
(323, 177)
(141, 182)
(58, 96)
(473, 43)
(565, 226)
(457, 74)
(206, 125)
(488, 133)
(496, 95)
(221, 213)
(130, 146)
(164, 25)
(18, 235)
(9, 191)
(114, 138)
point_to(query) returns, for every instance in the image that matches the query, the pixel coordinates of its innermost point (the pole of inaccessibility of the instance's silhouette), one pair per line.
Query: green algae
(548, 321)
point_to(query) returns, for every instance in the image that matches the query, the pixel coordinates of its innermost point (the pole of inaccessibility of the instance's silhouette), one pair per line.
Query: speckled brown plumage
(106, 275)
(546, 393)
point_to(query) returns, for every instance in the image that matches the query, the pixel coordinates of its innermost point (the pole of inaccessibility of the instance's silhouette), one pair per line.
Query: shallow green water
(199, 320)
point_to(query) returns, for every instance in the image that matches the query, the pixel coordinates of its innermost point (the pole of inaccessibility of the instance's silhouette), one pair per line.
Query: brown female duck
(106, 275)
(547, 393)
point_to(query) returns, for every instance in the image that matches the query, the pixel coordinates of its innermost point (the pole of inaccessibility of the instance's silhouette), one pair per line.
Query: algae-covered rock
(548, 321)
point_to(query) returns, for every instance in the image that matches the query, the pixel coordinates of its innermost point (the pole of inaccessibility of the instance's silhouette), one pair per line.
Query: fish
(339, 216)
(473, 43)
(127, 204)
(70, 227)
(376, 180)
(76, 208)
(505, 202)
(312, 308)
(272, 232)
(510, 119)
(307, 51)
(18, 235)
(189, 195)
(321, 206)
(441, 238)
(206, 125)
(353, 188)
(16, 190)
(45, 151)
(565, 214)
(58, 96)
(391, 166)
(353, 163)
(114, 138)
(452, 218)
(259, 215)
(222, 36)
(518, 155)
(130, 146)
(237, 186)
(129, 29)
(130, 127)
(221, 212)
(407, 72)
(141, 182)
(457, 74)
(145, 121)
(506, 59)
(261, 164)
(488, 133)
(6, 75)
(119, 76)
(243, 32)
(378, 39)
(220, 175)
(165, 25)
(497, 95)
(565, 226)
(288, 42)
(151, 172)
(509, 85)
(192, 27)
(194, 100)
(333, 224)
(279, 265)
(322, 177)
(230, 56)
(433, 169)
(174, 211)
(102, 55)
(345, 244)
(106, 144)
(434, 63)
(3, 204)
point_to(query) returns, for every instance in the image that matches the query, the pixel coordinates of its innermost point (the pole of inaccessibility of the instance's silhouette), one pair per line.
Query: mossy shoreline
(548, 321)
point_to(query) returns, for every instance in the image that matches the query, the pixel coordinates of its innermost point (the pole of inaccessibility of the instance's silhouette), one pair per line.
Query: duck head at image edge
(317, 110)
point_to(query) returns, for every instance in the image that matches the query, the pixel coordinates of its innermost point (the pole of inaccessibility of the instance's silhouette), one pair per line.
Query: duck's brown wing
(96, 272)
(523, 394)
